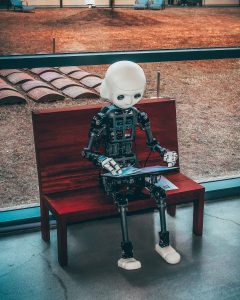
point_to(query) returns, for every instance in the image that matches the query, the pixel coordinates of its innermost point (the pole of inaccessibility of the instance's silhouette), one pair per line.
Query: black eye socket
(120, 97)
(137, 96)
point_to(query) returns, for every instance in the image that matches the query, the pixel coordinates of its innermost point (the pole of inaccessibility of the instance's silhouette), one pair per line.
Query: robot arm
(170, 157)
(152, 143)
(96, 131)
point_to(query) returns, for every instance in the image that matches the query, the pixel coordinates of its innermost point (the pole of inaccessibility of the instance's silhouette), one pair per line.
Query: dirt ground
(126, 29)
(207, 93)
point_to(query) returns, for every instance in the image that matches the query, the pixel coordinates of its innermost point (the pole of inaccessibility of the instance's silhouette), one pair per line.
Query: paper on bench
(165, 184)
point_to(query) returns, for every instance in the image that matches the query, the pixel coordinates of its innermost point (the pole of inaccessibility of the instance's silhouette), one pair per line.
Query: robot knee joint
(159, 193)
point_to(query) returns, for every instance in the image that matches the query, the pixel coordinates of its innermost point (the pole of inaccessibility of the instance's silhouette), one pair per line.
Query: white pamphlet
(165, 184)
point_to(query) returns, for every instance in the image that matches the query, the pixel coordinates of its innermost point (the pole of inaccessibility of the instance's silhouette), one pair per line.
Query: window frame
(29, 217)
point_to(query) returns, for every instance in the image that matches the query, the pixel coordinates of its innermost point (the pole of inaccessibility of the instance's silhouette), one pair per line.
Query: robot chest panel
(121, 127)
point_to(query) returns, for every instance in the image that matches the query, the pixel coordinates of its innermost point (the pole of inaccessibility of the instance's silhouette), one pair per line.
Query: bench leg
(198, 215)
(171, 210)
(62, 242)
(45, 227)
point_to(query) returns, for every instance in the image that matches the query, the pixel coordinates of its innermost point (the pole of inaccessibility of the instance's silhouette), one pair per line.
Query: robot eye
(120, 97)
(137, 95)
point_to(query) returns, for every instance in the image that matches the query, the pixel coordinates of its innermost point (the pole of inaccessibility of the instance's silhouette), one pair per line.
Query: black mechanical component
(121, 202)
(127, 249)
(135, 181)
(156, 191)
(96, 131)
(120, 199)
(120, 188)
(129, 184)
(152, 143)
(115, 128)
(163, 239)
(160, 197)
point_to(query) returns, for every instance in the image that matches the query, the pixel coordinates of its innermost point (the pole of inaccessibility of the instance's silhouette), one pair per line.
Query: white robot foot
(169, 254)
(129, 263)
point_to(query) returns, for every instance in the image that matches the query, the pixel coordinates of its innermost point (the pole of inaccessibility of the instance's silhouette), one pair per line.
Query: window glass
(100, 29)
(208, 118)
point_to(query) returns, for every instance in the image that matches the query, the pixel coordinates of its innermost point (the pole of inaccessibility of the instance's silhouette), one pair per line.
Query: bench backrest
(61, 134)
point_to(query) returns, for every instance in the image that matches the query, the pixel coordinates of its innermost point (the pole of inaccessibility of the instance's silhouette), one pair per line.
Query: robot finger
(115, 166)
(105, 161)
(112, 162)
(110, 168)
(119, 171)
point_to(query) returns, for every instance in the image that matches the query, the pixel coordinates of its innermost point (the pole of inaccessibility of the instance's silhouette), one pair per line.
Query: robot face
(124, 84)
(125, 99)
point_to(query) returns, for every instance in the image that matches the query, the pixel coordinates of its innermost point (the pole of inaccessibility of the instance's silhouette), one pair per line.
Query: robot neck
(123, 110)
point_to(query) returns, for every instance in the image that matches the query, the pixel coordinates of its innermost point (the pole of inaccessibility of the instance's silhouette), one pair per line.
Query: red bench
(68, 183)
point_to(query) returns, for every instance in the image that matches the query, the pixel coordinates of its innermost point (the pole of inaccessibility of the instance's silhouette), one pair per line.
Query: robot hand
(110, 165)
(170, 158)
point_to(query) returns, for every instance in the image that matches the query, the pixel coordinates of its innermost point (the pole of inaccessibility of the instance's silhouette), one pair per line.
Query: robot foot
(129, 263)
(169, 254)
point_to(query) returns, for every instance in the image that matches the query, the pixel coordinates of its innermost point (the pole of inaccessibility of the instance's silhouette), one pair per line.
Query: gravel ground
(207, 95)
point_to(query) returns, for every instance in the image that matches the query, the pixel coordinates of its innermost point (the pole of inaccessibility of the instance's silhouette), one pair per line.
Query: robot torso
(120, 134)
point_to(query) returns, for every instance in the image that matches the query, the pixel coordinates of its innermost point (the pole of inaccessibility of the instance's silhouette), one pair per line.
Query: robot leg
(163, 248)
(127, 262)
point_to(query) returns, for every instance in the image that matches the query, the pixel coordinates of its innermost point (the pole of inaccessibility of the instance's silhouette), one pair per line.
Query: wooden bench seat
(94, 200)
(69, 185)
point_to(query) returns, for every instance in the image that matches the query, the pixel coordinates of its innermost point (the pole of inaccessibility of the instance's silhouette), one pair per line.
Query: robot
(114, 127)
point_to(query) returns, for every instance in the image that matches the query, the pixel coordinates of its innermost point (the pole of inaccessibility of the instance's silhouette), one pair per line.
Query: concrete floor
(210, 266)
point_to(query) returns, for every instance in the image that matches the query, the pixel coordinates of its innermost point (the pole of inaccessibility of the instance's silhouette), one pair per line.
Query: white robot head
(124, 84)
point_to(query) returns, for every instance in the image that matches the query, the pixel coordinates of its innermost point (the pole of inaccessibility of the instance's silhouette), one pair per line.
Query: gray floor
(210, 266)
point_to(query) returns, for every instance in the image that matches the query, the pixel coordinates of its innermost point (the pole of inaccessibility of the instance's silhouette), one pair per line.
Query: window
(206, 91)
